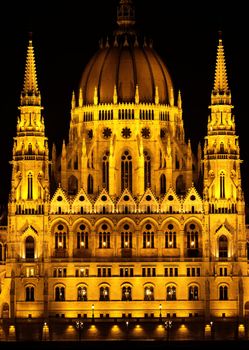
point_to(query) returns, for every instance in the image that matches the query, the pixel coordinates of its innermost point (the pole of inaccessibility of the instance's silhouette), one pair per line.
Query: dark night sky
(185, 34)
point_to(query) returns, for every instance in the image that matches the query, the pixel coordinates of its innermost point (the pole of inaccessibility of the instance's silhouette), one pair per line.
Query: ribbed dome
(125, 65)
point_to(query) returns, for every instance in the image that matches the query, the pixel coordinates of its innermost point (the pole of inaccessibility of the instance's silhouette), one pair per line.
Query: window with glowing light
(126, 237)
(82, 237)
(126, 293)
(149, 293)
(104, 237)
(148, 236)
(193, 293)
(82, 294)
(60, 237)
(59, 293)
(170, 236)
(104, 293)
(171, 293)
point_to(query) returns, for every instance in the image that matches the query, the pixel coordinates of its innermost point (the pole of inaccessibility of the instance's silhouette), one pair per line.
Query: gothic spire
(30, 94)
(221, 91)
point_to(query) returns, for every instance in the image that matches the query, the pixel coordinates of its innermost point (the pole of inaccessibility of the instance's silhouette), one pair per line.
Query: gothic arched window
(171, 293)
(222, 185)
(148, 236)
(170, 237)
(104, 237)
(126, 237)
(82, 237)
(148, 293)
(30, 186)
(30, 293)
(223, 247)
(104, 294)
(90, 184)
(126, 293)
(162, 184)
(60, 294)
(193, 293)
(72, 185)
(105, 170)
(29, 247)
(126, 171)
(147, 170)
(223, 293)
(82, 294)
(61, 237)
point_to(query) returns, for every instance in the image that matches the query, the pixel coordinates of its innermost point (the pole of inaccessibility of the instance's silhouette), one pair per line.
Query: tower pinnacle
(30, 94)
(221, 92)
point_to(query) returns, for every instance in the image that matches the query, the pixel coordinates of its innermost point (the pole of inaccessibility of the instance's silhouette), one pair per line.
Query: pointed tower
(221, 150)
(30, 163)
(222, 180)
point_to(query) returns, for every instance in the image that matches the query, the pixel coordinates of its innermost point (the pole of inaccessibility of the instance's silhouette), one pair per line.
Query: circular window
(126, 226)
(82, 227)
(107, 132)
(192, 226)
(104, 198)
(81, 198)
(170, 198)
(59, 198)
(90, 134)
(148, 226)
(126, 133)
(60, 227)
(104, 227)
(145, 133)
(163, 133)
(126, 198)
(170, 226)
(192, 198)
(148, 198)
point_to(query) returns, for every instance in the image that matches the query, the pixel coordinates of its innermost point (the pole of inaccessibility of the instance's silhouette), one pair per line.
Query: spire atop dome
(30, 94)
(126, 17)
(221, 92)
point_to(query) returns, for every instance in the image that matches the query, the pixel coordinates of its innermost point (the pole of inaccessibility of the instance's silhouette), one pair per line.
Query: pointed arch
(29, 247)
(162, 184)
(90, 184)
(72, 185)
(126, 171)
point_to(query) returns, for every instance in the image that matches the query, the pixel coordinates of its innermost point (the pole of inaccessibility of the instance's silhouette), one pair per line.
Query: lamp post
(160, 313)
(92, 312)
(127, 328)
(168, 325)
(79, 326)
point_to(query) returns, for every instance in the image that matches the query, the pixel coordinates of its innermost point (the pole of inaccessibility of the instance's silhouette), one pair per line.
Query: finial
(115, 41)
(115, 95)
(156, 96)
(137, 95)
(179, 101)
(80, 98)
(136, 43)
(73, 100)
(126, 41)
(171, 97)
(95, 97)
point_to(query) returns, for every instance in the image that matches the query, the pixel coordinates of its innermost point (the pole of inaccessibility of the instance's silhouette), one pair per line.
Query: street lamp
(160, 314)
(127, 328)
(79, 326)
(92, 312)
(168, 325)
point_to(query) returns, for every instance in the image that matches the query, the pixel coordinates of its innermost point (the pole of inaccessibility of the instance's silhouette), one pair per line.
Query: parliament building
(124, 231)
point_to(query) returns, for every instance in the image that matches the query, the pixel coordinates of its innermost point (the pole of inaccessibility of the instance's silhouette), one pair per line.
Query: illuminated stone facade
(137, 226)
